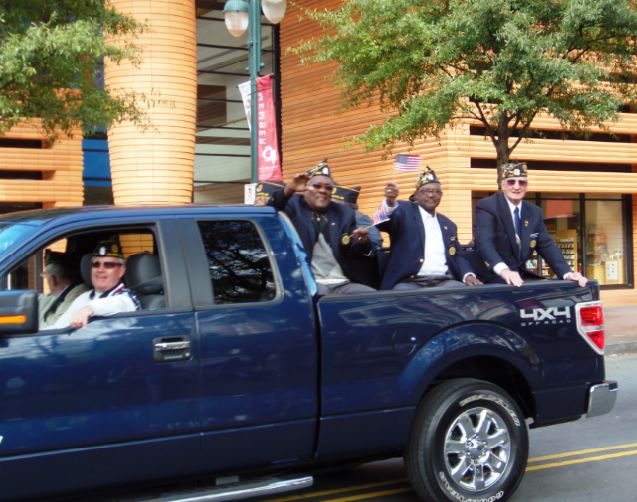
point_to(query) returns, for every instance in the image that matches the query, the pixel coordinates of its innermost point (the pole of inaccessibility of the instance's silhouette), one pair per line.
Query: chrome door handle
(172, 345)
(172, 348)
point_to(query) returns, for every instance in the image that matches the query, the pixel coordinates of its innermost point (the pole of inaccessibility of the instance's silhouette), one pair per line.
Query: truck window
(61, 278)
(238, 263)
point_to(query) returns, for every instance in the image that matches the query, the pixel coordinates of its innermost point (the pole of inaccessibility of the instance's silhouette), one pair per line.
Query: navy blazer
(495, 236)
(407, 251)
(341, 220)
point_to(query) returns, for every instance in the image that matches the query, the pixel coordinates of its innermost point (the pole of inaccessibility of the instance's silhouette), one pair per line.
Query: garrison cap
(320, 169)
(427, 176)
(514, 170)
(345, 194)
(108, 248)
(65, 260)
(267, 188)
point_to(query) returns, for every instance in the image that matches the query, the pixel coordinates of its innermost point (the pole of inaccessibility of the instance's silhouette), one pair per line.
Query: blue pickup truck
(235, 372)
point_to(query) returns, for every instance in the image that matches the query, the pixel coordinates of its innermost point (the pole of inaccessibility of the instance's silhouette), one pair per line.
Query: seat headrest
(85, 270)
(143, 274)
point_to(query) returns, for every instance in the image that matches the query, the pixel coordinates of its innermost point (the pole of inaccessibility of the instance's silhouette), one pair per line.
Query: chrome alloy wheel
(477, 449)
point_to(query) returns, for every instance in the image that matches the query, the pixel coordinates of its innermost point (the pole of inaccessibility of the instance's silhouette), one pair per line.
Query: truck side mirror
(18, 312)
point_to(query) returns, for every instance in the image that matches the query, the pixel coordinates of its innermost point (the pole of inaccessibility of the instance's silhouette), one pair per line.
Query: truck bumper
(601, 398)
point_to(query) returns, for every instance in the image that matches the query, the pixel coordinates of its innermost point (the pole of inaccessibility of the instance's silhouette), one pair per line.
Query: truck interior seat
(143, 275)
(85, 270)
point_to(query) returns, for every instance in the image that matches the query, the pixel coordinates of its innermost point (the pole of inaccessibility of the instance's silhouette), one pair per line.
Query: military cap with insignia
(56, 258)
(108, 248)
(514, 170)
(427, 176)
(320, 169)
(267, 188)
(346, 194)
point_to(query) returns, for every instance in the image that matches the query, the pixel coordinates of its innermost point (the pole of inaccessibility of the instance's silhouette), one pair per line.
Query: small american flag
(382, 214)
(407, 163)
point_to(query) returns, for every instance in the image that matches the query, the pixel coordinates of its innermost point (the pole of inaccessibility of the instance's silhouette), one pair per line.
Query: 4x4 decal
(551, 315)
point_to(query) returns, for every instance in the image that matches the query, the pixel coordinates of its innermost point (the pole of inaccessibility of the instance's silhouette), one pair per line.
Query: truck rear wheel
(469, 442)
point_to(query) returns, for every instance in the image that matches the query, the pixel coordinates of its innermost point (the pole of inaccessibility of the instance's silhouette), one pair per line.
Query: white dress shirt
(435, 258)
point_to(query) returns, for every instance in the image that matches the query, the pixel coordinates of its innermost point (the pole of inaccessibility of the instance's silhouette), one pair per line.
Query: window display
(605, 241)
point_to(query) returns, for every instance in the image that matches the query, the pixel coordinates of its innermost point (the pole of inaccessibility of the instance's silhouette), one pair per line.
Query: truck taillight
(590, 324)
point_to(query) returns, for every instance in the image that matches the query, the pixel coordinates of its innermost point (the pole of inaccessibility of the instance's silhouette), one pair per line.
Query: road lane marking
(370, 495)
(595, 458)
(582, 452)
(337, 491)
(550, 465)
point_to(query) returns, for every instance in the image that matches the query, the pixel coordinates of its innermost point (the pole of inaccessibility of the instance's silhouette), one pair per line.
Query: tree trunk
(502, 156)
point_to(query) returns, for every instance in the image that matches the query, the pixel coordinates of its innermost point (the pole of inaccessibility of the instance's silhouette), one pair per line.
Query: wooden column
(156, 166)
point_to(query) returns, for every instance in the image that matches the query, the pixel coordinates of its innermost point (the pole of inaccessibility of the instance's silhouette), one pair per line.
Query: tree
(500, 62)
(50, 54)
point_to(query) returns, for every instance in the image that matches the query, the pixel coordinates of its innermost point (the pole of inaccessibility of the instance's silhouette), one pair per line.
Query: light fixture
(239, 16)
(235, 13)
(274, 10)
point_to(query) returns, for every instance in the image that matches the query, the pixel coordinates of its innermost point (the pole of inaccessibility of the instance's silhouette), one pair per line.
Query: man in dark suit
(508, 230)
(424, 243)
(326, 229)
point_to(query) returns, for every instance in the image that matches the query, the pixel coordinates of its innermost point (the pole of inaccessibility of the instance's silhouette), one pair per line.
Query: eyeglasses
(512, 182)
(432, 193)
(318, 186)
(106, 264)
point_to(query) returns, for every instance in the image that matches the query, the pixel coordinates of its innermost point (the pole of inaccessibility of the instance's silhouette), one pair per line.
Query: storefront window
(605, 241)
(562, 220)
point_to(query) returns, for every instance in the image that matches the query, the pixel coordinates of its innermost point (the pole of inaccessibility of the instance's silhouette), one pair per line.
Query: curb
(617, 348)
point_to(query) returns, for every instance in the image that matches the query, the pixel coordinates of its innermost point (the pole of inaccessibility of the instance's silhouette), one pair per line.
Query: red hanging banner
(269, 165)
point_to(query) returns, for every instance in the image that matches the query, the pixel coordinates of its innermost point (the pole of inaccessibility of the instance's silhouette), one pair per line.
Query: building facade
(587, 187)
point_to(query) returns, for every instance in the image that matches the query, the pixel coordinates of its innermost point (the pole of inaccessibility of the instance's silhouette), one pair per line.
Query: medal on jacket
(452, 251)
(345, 239)
(533, 243)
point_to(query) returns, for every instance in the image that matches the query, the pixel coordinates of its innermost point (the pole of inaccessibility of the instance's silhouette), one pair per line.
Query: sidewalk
(621, 329)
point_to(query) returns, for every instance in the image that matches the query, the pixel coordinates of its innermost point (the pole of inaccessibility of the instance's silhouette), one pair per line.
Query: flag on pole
(382, 214)
(407, 163)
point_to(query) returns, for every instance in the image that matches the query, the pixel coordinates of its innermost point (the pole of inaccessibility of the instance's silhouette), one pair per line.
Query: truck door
(107, 403)
(258, 351)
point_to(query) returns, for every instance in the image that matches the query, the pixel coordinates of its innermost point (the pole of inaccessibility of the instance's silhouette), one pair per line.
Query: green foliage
(50, 51)
(432, 62)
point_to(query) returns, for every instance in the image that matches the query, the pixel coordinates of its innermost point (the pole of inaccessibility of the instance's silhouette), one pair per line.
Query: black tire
(469, 441)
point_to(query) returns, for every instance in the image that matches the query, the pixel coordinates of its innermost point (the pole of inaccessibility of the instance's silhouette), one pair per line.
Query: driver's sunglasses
(106, 264)
(522, 183)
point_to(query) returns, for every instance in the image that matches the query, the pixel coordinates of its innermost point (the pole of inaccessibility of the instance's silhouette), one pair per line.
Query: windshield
(11, 235)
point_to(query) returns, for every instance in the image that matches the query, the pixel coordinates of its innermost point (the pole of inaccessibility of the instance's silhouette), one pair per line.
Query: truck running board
(238, 491)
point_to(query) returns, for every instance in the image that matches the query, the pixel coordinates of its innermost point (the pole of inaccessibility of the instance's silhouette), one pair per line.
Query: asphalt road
(590, 460)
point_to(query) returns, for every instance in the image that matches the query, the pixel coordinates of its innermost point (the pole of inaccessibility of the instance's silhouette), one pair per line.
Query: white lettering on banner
(269, 166)
(270, 154)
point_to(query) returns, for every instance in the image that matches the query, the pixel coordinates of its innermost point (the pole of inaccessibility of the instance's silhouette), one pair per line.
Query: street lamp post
(239, 15)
